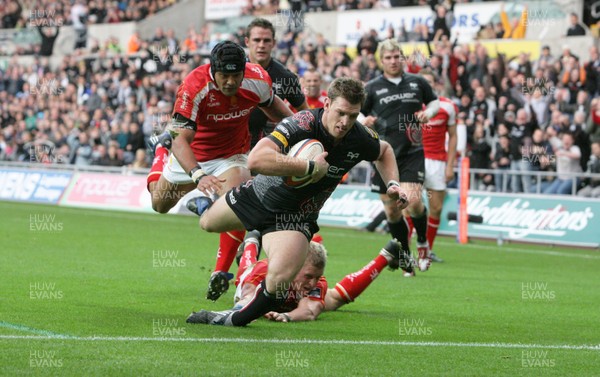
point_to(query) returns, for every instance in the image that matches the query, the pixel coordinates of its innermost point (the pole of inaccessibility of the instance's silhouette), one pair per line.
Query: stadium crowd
(101, 104)
(20, 14)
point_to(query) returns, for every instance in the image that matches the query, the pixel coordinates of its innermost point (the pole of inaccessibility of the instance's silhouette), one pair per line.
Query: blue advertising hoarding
(33, 185)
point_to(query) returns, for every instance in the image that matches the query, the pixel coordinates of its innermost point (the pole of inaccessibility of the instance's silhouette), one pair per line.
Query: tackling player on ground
(210, 116)
(308, 295)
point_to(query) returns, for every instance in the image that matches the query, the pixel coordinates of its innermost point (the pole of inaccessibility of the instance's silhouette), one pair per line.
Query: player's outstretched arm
(182, 150)
(333, 300)
(386, 163)
(430, 111)
(452, 142)
(277, 110)
(388, 169)
(307, 310)
(208, 184)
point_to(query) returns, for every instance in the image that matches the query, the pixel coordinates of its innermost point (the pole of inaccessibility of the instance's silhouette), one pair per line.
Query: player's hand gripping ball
(306, 149)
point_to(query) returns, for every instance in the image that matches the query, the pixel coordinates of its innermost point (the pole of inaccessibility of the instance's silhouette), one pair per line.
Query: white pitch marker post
(298, 341)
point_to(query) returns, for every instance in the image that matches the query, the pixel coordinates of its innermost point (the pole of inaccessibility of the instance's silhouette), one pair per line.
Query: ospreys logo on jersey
(304, 119)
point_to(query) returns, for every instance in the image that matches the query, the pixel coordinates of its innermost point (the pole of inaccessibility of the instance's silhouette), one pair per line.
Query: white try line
(297, 341)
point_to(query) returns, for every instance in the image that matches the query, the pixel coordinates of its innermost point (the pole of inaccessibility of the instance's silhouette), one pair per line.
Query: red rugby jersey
(434, 133)
(259, 272)
(221, 121)
(316, 102)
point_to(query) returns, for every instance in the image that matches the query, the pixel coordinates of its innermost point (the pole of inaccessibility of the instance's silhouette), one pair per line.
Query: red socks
(410, 227)
(161, 156)
(249, 257)
(228, 245)
(432, 228)
(354, 284)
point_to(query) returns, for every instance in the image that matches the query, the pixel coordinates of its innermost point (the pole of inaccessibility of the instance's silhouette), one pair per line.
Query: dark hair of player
(262, 23)
(348, 88)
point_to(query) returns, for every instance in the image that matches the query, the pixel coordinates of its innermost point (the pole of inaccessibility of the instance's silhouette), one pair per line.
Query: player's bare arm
(387, 167)
(307, 310)
(430, 111)
(369, 121)
(181, 149)
(266, 158)
(452, 141)
(277, 110)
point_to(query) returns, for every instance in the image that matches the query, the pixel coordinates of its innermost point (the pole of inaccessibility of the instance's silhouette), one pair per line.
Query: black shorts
(411, 168)
(249, 209)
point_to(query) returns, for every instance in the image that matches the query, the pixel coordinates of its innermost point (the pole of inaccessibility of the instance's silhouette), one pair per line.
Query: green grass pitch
(86, 292)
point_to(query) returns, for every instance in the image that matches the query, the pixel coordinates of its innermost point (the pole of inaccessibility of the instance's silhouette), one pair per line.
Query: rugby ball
(306, 149)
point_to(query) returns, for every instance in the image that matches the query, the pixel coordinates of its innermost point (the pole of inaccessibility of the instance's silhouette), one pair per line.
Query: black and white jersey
(360, 143)
(287, 87)
(395, 107)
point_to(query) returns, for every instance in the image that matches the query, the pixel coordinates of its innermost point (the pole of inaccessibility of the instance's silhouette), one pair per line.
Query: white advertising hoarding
(468, 19)
(219, 9)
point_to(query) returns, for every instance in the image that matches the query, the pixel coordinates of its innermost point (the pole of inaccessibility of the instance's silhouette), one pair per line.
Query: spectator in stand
(11, 14)
(368, 42)
(575, 29)
(538, 105)
(82, 150)
(580, 137)
(140, 161)
(135, 43)
(79, 19)
(135, 139)
(103, 157)
(567, 162)
(480, 159)
(592, 190)
(545, 58)
(499, 30)
(515, 29)
(481, 105)
(592, 73)
(501, 161)
(443, 17)
(593, 125)
(520, 140)
(48, 35)
(540, 157)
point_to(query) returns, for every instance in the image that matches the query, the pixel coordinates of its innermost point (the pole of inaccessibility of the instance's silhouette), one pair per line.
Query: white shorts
(174, 173)
(435, 175)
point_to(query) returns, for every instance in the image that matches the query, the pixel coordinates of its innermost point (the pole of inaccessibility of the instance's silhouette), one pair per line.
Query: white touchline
(528, 251)
(298, 341)
(375, 236)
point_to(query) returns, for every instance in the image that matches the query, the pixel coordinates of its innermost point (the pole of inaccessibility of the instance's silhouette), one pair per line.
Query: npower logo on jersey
(228, 116)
